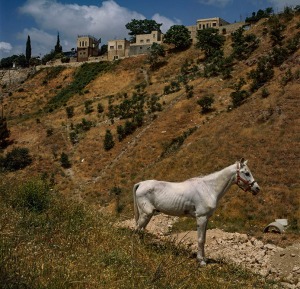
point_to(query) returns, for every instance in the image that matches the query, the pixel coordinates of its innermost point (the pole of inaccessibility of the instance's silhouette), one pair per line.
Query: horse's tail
(136, 209)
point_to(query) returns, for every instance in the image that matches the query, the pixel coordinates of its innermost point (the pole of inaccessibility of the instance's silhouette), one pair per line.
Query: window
(111, 47)
(214, 24)
(120, 46)
(142, 41)
(148, 40)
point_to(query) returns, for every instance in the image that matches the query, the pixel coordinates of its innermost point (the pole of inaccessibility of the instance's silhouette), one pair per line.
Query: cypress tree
(58, 47)
(28, 49)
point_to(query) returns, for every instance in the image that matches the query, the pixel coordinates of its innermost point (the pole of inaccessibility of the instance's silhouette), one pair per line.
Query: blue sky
(43, 19)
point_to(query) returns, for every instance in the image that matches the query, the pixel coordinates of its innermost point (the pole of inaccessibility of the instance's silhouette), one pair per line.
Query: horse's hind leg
(143, 221)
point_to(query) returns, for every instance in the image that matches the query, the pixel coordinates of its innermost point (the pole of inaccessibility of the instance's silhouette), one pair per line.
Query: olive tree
(178, 35)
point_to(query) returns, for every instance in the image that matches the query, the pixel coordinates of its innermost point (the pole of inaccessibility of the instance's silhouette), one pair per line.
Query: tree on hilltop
(156, 52)
(210, 41)
(178, 35)
(145, 26)
(28, 49)
(58, 47)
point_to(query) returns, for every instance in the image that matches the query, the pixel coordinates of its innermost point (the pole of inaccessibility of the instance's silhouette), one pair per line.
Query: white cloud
(106, 21)
(5, 46)
(218, 3)
(280, 4)
(167, 23)
(41, 41)
(5, 49)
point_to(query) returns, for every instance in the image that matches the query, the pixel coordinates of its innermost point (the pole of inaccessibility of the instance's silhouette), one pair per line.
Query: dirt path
(268, 260)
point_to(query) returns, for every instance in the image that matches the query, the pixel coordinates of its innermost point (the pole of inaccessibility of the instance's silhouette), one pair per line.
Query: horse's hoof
(202, 263)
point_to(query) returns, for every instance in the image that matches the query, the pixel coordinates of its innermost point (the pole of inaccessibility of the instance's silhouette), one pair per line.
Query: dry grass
(263, 130)
(71, 245)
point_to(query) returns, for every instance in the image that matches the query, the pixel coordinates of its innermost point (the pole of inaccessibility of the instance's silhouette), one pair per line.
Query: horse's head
(244, 178)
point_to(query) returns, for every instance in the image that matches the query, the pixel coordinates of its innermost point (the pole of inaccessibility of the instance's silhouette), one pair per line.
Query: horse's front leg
(201, 229)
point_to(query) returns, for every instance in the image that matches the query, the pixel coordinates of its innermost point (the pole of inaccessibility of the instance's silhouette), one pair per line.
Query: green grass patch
(52, 72)
(83, 76)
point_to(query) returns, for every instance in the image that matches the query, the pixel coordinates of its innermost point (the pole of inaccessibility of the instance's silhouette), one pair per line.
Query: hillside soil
(269, 260)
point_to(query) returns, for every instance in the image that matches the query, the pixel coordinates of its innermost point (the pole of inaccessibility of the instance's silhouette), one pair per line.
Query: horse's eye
(247, 174)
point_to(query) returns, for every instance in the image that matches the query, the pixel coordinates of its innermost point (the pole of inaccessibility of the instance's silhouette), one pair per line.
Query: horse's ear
(242, 160)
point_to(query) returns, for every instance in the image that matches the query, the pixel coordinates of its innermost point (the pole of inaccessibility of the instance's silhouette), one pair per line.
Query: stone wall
(15, 76)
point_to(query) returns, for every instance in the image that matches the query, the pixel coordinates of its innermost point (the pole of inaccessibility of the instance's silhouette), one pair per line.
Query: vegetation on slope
(50, 242)
(159, 131)
(85, 74)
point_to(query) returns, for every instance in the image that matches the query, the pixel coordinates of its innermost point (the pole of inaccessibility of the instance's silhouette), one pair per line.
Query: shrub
(242, 45)
(276, 30)
(293, 43)
(85, 125)
(153, 104)
(65, 59)
(262, 74)
(88, 106)
(177, 142)
(70, 111)
(64, 160)
(206, 103)
(239, 95)
(287, 77)
(34, 195)
(189, 91)
(218, 65)
(4, 132)
(129, 127)
(209, 41)
(49, 132)
(173, 87)
(108, 140)
(73, 137)
(265, 93)
(17, 159)
(120, 132)
(278, 55)
(100, 108)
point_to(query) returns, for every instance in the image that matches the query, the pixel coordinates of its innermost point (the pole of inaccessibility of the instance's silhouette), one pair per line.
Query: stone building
(223, 26)
(144, 41)
(87, 46)
(117, 49)
(215, 22)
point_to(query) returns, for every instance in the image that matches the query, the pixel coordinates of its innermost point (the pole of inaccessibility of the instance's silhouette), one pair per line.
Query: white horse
(197, 197)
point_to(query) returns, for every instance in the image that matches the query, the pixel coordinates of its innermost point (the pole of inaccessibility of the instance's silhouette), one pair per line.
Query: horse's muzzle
(255, 188)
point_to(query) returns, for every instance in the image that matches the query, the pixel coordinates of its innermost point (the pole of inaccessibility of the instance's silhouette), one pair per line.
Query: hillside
(264, 130)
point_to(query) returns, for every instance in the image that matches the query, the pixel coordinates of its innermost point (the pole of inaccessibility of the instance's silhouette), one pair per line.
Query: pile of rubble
(268, 260)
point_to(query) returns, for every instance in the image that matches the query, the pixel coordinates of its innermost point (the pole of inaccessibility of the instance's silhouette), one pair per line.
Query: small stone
(293, 255)
(269, 246)
(296, 269)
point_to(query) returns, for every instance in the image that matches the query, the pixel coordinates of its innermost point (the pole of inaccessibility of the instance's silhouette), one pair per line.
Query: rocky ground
(268, 260)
